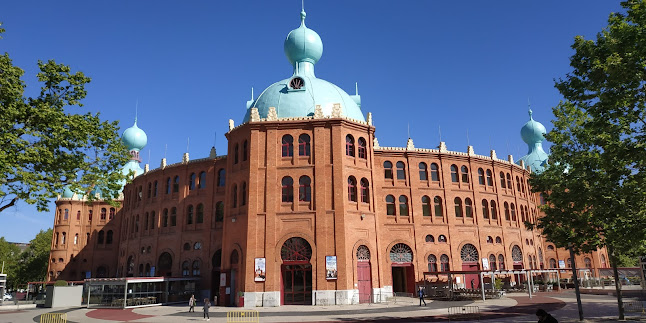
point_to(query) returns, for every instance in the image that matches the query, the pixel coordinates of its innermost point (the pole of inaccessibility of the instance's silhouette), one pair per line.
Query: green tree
(596, 181)
(9, 258)
(34, 260)
(44, 146)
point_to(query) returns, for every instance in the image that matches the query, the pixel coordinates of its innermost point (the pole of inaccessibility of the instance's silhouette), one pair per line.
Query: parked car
(7, 297)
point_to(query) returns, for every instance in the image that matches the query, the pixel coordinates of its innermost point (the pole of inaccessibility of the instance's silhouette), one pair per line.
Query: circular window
(401, 253)
(296, 83)
(187, 246)
(469, 253)
(296, 249)
(516, 254)
(197, 246)
(363, 254)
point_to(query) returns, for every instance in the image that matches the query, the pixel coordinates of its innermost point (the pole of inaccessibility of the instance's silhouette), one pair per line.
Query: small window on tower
(296, 83)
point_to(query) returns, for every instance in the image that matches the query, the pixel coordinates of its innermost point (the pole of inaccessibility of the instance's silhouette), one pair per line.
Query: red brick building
(307, 208)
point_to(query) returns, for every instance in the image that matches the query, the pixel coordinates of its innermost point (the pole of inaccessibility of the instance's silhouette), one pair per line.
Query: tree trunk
(615, 272)
(576, 284)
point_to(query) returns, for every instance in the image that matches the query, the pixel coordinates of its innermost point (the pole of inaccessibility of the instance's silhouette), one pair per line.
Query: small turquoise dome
(303, 44)
(532, 131)
(134, 166)
(134, 138)
(67, 193)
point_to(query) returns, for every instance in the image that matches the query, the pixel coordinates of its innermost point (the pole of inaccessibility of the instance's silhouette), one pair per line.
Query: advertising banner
(259, 275)
(330, 267)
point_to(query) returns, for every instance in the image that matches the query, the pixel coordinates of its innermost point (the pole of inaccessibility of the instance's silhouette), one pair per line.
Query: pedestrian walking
(544, 317)
(420, 292)
(207, 304)
(191, 304)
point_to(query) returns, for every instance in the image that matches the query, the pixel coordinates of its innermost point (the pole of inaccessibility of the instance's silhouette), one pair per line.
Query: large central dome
(299, 95)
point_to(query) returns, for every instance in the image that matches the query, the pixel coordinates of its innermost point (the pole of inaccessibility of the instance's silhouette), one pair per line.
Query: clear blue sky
(465, 66)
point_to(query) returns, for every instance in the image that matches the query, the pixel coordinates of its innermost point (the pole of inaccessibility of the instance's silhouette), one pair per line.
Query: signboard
(485, 263)
(259, 274)
(88, 274)
(223, 279)
(562, 264)
(330, 267)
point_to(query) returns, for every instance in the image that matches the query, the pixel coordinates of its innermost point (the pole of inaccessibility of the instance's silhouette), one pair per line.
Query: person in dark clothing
(544, 317)
(421, 296)
(207, 304)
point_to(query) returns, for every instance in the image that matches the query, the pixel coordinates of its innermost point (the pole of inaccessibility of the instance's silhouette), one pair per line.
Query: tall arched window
(458, 207)
(78, 214)
(513, 212)
(489, 178)
(365, 190)
(76, 238)
(243, 194)
(501, 262)
(435, 172)
(468, 206)
(492, 262)
(362, 152)
(234, 196)
(191, 182)
(429, 238)
(287, 189)
(287, 146)
(432, 263)
(485, 209)
(103, 213)
(352, 189)
(113, 211)
(173, 217)
(552, 263)
(304, 189)
(168, 185)
(349, 145)
(221, 177)
(219, 211)
(189, 214)
(444, 263)
(426, 205)
(603, 261)
(403, 205)
(390, 205)
(199, 218)
(155, 189)
(196, 268)
(245, 149)
(506, 205)
(185, 269)
(100, 240)
(67, 214)
(481, 178)
(465, 174)
(165, 218)
(401, 170)
(388, 170)
(202, 180)
(522, 214)
(176, 184)
(304, 145)
(423, 172)
(587, 262)
(454, 174)
(502, 180)
(109, 238)
(517, 185)
(437, 201)
(494, 210)
(509, 186)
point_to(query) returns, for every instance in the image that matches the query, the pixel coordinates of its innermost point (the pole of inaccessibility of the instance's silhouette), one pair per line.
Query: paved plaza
(513, 308)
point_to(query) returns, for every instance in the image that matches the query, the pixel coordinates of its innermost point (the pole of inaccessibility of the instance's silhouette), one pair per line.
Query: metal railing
(462, 313)
(53, 318)
(243, 316)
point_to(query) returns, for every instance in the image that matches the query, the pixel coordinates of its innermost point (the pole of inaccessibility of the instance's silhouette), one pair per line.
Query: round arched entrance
(364, 281)
(401, 256)
(296, 272)
(469, 256)
(165, 265)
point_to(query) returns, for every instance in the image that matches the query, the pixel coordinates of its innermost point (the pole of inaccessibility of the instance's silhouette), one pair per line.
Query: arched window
(219, 211)
(352, 189)
(141, 270)
(146, 221)
(552, 263)
(361, 148)
(492, 262)
(236, 150)
(403, 205)
(569, 262)
(516, 254)
(304, 145)
(494, 210)
(152, 219)
(588, 262)
(489, 239)
(603, 261)
(67, 214)
(437, 201)
(164, 264)
(349, 145)
(390, 205)
(531, 264)
(176, 184)
(432, 263)
(550, 247)
(100, 240)
(109, 237)
(112, 212)
(191, 182)
(221, 177)
(441, 238)
(489, 178)
(155, 189)
(243, 194)
(485, 209)
(199, 213)
(365, 191)
(103, 213)
(363, 253)
(288, 189)
(469, 253)
(458, 207)
(468, 206)
(429, 238)
(444, 263)
(481, 178)
(388, 170)
(168, 185)
(295, 249)
(76, 238)
(423, 172)
(498, 240)
(454, 174)
(245, 149)
(465, 174)
(401, 253)
(234, 196)
(435, 173)
(165, 218)
(202, 180)
(185, 269)
(189, 214)
(501, 262)
(502, 180)
(426, 205)
(513, 212)
(304, 189)
(522, 186)
(196, 268)
(509, 186)
(287, 146)
(522, 214)
(517, 184)
(147, 273)
(78, 214)
(89, 215)
(56, 241)
(401, 171)
(173, 217)
(506, 205)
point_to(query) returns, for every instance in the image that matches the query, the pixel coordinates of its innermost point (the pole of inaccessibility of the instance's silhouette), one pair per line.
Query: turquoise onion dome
(67, 192)
(533, 133)
(134, 138)
(298, 95)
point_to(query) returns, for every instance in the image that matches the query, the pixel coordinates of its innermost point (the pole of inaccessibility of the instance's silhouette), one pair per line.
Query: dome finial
(303, 14)
(529, 107)
(136, 110)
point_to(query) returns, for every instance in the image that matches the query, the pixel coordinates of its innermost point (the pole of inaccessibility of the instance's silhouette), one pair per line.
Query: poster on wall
(485, 263)
(562, 264)
(259, 275)
(223, 279)
(330, 267)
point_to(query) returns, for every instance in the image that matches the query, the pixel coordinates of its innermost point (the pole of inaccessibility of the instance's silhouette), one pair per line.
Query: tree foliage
(9, 258)
(34, 260)
(596, 181)
(45, 146)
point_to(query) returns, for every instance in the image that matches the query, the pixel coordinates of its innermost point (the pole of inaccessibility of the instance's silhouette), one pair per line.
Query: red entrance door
(297, 284)
(365, 284)
(471, 280)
